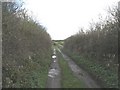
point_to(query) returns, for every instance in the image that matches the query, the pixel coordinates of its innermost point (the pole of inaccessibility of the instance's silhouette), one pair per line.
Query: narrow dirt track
(54, 75)
(79, 73)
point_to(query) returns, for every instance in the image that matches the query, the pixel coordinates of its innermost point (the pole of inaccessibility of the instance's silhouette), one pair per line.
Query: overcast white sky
(63, 18)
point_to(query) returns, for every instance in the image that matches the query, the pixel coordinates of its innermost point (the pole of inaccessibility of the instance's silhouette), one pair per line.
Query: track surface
(54, 75)
(80, 73)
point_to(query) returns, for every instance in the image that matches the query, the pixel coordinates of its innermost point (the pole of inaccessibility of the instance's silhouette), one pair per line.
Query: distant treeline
(99, 43)
(57, 40)
(26, 49)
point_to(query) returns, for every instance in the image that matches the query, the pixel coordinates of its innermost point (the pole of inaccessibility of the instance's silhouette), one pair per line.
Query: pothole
(53, 72)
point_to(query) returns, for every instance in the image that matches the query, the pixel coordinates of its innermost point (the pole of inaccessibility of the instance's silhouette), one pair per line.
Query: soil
(54, 75)
(80, 73)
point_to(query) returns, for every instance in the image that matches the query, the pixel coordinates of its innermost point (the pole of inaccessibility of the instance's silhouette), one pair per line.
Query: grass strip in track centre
(68, 80)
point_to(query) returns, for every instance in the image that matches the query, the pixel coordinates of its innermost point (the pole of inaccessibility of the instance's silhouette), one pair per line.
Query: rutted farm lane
(54, 74)
(79, 73)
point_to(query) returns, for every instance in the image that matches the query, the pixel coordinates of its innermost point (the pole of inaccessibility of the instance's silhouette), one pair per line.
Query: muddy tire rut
(54, 75)
(80, 73)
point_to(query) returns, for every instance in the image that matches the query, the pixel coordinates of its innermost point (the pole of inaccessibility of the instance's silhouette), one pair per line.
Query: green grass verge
(68, 79)
(32, 74)
(40, 73)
